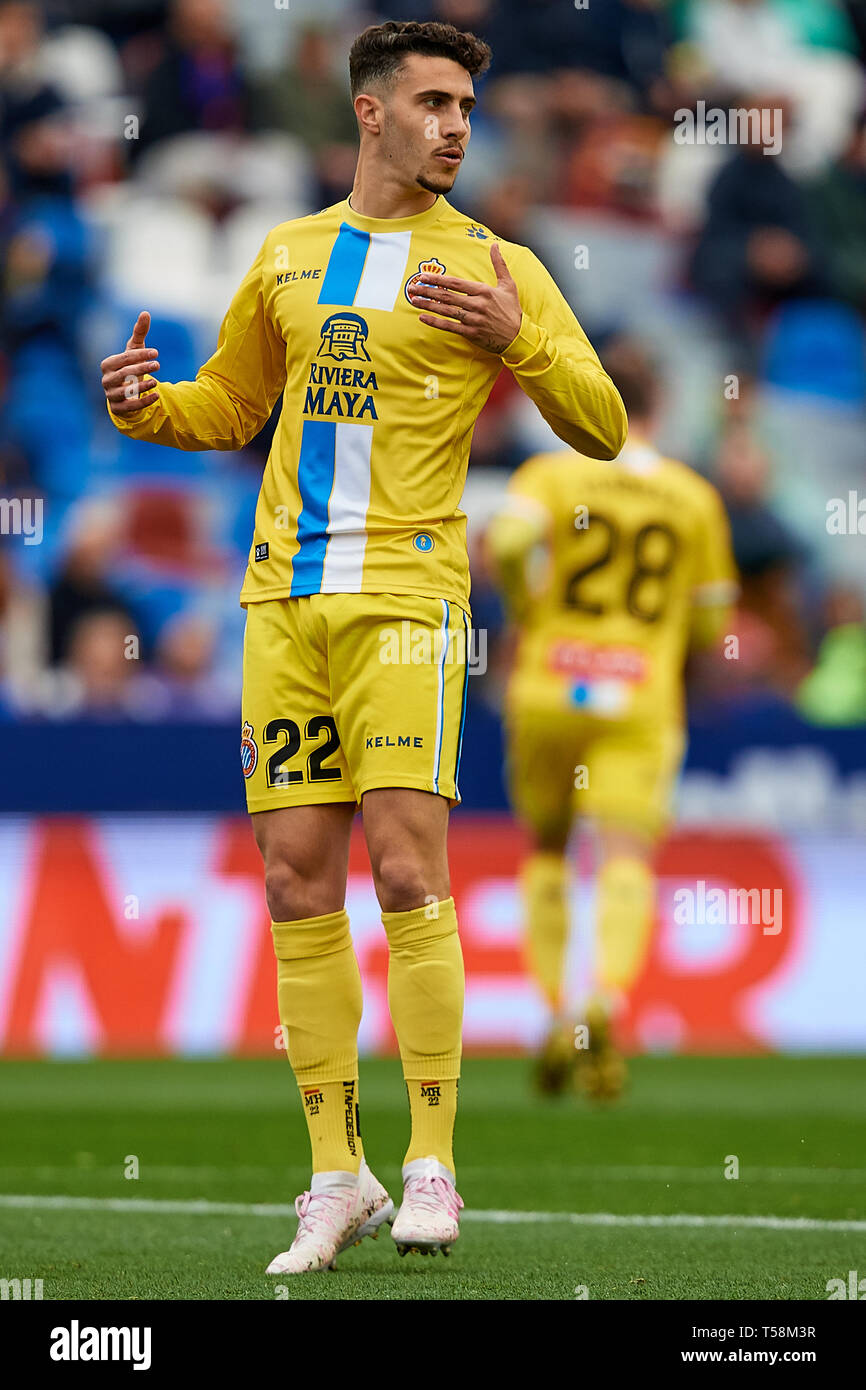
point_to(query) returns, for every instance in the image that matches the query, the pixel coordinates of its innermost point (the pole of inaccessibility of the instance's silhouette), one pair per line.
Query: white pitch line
(606, 1173)
(606, 1218)
(141, 1205)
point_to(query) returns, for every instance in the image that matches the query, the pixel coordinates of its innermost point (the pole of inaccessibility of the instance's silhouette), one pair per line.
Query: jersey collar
(392, 224)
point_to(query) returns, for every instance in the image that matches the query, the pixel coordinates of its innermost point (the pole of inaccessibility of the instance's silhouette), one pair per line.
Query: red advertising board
(151, 936)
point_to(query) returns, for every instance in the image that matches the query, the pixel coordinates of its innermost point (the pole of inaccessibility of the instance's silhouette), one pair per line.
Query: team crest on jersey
(344, 336)
(249, 751)
(431, 267)
(423, 542)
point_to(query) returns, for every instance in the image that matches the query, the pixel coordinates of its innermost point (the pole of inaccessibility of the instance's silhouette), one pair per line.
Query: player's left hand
(488, 315)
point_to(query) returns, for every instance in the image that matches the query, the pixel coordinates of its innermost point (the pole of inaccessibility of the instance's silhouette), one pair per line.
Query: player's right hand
(126, 378)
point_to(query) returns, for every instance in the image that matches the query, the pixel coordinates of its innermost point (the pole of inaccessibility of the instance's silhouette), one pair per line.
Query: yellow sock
(626, 911)
(425, 996)
(331, 1110)
(543, 883)
(320, 1002)
(433, 1107)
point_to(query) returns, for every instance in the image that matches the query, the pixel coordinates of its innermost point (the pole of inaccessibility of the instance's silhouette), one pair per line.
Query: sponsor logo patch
(344, 336)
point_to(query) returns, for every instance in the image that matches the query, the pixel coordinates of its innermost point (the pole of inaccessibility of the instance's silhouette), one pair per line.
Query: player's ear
(369, 111)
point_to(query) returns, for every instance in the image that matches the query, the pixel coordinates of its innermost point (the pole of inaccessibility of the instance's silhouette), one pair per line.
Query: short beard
(443, 186)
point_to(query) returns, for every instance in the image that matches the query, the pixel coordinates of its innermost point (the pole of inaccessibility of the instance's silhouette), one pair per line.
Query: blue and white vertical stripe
(365, 270)
(334, 483)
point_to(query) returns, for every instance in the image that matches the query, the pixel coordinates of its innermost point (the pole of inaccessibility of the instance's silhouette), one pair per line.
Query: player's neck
(376, 194)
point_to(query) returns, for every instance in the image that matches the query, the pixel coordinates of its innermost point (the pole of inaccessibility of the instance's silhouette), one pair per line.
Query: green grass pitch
(231, 1133)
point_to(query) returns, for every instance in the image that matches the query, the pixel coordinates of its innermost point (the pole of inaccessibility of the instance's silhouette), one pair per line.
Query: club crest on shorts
(249, 751)
(432, 267)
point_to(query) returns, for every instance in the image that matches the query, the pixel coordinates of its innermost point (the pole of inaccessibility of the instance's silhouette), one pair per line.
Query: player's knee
(550, 838)
(624, 842)
(293, 896)
(402, 883)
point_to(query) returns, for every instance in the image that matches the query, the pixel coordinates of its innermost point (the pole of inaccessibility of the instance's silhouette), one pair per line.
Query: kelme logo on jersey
(343, 338)
(423, 542)
(478, 231)
(431, 267)
(249, 751)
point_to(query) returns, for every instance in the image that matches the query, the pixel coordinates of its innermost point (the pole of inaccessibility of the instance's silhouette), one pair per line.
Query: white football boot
(338, 1211)
(428, 1219)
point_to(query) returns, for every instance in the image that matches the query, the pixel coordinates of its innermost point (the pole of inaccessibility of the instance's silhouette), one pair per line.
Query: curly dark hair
(377, 54)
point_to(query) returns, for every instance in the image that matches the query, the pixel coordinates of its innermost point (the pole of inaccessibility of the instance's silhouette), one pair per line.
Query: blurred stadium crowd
(148, 145)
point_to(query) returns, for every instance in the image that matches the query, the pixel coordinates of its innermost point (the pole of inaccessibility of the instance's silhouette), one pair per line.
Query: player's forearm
(510, 544)
(571, 389)
(192, 415)
(509, 571)
(709, 623)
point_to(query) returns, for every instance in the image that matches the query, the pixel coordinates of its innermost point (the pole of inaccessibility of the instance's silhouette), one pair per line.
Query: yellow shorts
(563, 764)
(344, 693)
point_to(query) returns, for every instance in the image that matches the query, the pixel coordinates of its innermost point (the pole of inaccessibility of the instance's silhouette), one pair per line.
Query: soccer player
(611, 572)
(383, 321)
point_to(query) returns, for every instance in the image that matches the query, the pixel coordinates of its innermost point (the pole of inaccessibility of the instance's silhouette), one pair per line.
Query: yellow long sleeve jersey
(362, 487)
(611, 572)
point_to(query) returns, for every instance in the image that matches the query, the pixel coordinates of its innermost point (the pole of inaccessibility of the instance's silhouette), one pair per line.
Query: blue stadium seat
(817, 347)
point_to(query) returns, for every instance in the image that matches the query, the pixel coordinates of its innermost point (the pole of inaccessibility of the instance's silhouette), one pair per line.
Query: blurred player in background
(610, 574)
(351, 314)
